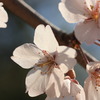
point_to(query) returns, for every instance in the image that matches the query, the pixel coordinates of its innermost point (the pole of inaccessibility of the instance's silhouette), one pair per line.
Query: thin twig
(86, 61)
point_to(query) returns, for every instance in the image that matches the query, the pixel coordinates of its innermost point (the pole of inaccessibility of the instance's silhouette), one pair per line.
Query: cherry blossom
(3, 16)
(71, 90)
(48, 61)
(86, 13)
(92, 83)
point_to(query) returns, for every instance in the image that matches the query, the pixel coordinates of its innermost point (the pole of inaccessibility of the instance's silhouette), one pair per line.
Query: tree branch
(31, 17)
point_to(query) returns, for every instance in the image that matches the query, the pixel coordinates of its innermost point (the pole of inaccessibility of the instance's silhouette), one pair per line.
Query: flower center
(94, 12)
(49, 63)
(95, 15)
(45, 63)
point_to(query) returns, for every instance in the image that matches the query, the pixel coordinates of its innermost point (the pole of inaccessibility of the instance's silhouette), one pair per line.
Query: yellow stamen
(96, 16)
(91, 6)
(45, 63)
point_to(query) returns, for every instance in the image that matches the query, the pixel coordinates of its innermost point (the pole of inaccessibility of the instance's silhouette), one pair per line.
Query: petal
(55, 83)
(81, 95)
(44, 38)
(77, 91)
(3, 16)
(61, 98)
(65, 58)
(72, 11)
(91, 3)
(27, 55)
(87, 32)
(70, 91)
(91, 90)
(1, 4)
(70, 52)
(66, 87)
(71, 88)
(36, 82)
(3, 25)
(74, 89)
(90, 66)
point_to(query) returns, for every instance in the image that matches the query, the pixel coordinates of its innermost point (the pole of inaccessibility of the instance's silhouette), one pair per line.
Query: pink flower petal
(90, 89)
(66, 88)
(55, 83)
(65, 58)
(36, 83)
(87, 32)
(76, 90)
(72, 10)
(3, 25)
(27, 55)
(44, 38)
(92, 83)
(70, 91)
(3, 16)
(61, 98)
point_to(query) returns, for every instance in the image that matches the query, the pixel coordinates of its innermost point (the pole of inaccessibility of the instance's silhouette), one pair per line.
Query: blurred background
(12, 76)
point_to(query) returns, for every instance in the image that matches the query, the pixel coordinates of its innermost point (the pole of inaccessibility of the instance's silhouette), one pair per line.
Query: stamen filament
(45, 63)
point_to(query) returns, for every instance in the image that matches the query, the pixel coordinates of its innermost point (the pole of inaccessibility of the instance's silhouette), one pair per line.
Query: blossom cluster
(52, 66)
(52, 69)
(86, 13)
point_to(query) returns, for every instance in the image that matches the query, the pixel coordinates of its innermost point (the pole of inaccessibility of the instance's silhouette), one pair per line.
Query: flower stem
(76, 45)
(83, 55)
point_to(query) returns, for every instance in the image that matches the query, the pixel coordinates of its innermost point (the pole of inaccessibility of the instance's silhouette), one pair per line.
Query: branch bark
(31, 17)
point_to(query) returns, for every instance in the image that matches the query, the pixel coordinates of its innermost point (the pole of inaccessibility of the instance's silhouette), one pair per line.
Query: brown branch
(31, 17)
(97, 43)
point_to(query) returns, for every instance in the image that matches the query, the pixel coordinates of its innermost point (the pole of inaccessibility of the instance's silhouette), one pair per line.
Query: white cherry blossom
(71, 90)
(87, 13)
(92, 83)
(3, 16)
(48, 61)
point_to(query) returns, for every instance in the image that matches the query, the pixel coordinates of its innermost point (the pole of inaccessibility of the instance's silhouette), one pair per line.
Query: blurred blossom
(86, 12)
(92, 83)
(71, 90)
(3, 16)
